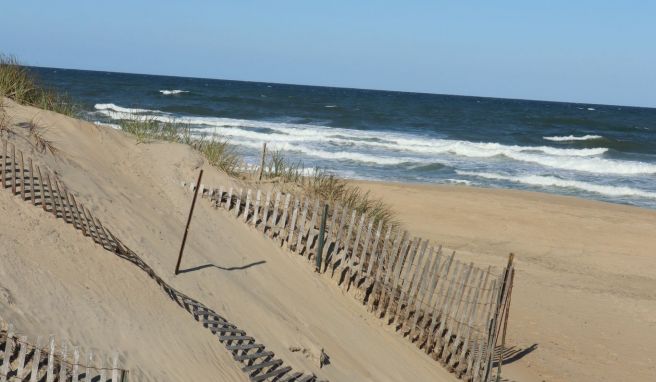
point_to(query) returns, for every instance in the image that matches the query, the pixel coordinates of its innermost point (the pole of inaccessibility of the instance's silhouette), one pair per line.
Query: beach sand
(584, 289)
(585, 284)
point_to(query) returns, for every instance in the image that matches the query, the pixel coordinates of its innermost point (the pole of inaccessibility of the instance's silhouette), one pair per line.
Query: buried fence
(454, 311)
(41, 188)
(24, 360)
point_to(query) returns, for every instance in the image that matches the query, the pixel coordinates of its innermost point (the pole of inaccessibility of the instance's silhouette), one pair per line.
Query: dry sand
(97, 299)
(585, 287)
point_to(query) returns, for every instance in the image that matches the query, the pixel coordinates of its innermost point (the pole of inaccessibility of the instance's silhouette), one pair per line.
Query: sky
(577, 51)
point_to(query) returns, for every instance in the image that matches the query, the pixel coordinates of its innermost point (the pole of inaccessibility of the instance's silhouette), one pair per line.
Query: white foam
(547, 181)
(116, 108)
(459, 181)
(170, 92)
(568, 138)
(305, 138)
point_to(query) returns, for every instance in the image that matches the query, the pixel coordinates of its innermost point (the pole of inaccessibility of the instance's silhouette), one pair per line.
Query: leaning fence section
(38, 186)
(453, 310)
(26, 359)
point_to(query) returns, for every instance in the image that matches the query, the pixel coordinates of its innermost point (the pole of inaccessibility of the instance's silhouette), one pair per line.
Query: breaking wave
(571, 138)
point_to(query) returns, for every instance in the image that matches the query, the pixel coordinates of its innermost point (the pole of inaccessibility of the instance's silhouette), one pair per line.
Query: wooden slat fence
(39, 186)
(25, 360)
(452, 310)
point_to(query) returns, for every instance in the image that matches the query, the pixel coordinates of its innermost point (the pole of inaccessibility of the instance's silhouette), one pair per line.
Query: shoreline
(584, 291)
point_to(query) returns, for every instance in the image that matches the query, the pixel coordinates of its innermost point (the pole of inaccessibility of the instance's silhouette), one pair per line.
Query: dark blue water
(592, 151)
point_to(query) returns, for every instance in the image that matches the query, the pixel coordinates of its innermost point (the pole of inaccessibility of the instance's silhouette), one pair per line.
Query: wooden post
(191, 212)
(13, 170)
(504, 311)
(32, 194)
(259, 176)
(22, 172)
(322, 229)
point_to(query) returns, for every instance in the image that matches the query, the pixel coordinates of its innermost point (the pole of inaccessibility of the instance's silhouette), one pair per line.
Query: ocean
(597, 152)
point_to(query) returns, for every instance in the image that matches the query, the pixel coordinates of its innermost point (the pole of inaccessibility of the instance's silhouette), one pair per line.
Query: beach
(585, 290)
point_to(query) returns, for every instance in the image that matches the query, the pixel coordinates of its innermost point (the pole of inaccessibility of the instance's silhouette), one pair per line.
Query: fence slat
(256, 209)
(374, 254)
(375, 279)
(115, 368)
(441, 300)
(76, 364)
(103, 372)
(292, 227)
(228, 204)
(349, 263)
(238, 202)
(87, 372)
(265, 212)
(42, 189)
(428, 293)
(283, 220)
(385, 285)
(36, 360)
(12, 175)
(4, 163)
(424, 266)
(248, 205)
(394, 282)
(219, 198)
(22, 353)
(31, 178)
(22, 173)
(63, 363)
(274, 217)
(468, 326)
(50, 375)
(405, 281)
(312, 230)
(460, 303)
(302, 225)
(8, 351)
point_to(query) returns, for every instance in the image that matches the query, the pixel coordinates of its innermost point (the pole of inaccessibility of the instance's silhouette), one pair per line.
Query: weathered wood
(22, 174)
(93, 229)
(467, 332)
(219, 198)
(115, 368)
(311, 229)
(363, 254)
(339, 234)
(450, 312)
(389, 270)
(256, 209)
(57, 200)
(247, 208)
(13, 170)
(4, 163)
(87, 372)
(36, 359)
(343, 254)
(405, 280)
(238, 202)
(22, 353)
(292, 225)
(265, 211)
(302, 225)
(63, 364)
(31, 178)
(228, 204)
(425, 264)
(53, 202)
(43, 190)
(76, 364)
(50, 374)
(103, 372)
(375, 279)
(422, 301)
(274, 217)
(349, 262)
(442, 281)
(396, 273)
(8, 351)
(374, 249)
(259, 176)
(456, 309)
(438, 316)
(83, 224)
(283, 220)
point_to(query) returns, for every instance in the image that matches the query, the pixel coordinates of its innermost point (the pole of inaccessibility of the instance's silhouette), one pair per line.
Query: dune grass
(19, 84)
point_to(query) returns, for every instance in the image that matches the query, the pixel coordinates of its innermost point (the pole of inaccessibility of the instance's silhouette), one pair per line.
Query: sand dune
(134, 189)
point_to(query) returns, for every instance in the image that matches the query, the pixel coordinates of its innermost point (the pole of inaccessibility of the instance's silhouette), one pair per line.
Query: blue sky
(581, 51)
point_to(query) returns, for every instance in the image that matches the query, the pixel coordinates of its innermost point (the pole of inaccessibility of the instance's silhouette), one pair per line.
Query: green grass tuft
(17, 83)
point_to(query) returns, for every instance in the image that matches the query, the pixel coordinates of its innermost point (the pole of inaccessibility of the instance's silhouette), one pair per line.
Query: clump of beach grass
(37, 135)
(333, 189)
(19, 84)
(220, 153)
(280, 168)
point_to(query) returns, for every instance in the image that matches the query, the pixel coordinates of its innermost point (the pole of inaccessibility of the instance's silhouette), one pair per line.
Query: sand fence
(455, 311)
(25, 360)
(38, 186)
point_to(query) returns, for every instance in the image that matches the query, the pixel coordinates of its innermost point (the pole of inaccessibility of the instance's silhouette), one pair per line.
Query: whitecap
(173, 92)
(567, 138)
(550, 181)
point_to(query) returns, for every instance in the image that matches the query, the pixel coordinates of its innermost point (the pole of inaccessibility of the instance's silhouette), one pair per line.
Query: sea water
(598, 152)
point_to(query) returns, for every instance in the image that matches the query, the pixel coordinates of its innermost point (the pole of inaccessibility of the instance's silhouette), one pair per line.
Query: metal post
(259, 177)
(191, 212)
(322, 229)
